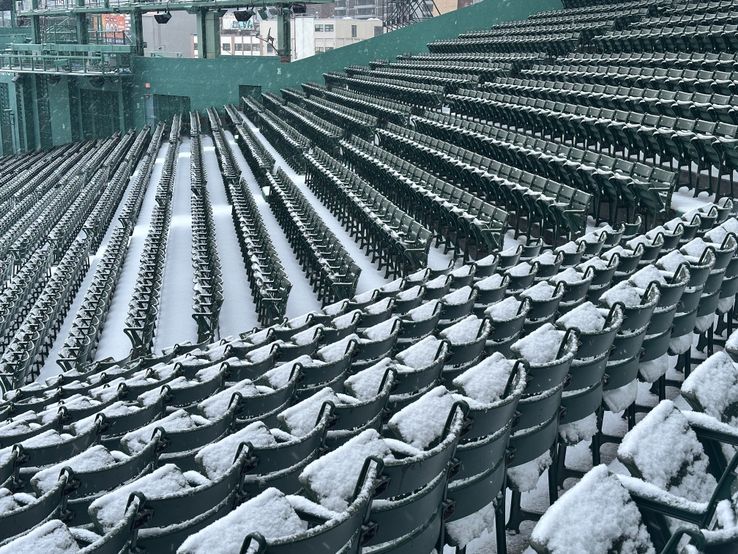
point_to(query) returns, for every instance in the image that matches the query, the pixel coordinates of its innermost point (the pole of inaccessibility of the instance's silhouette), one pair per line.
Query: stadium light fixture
(243, 15)
(162, 18)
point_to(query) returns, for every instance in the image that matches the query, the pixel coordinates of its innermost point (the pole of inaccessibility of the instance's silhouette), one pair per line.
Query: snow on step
(302, 299)
(371, 277)
(175, 323)
(238, 312)
(113, 342)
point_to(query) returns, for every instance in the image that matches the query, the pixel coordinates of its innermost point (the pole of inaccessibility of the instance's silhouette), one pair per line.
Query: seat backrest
(712, 387)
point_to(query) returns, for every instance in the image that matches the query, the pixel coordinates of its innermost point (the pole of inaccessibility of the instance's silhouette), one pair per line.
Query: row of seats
(394, 240)
(270, 287)
(467, 224)
(551, 44)
(484, 70)
(407, 92)
(206, 272)
(382, 109)
(258, 158)
(725, 61)
(698, 38)
(81, 341)
(450, 81)
(143, 307)
(285, 138)
(331, 271)
(679, 18)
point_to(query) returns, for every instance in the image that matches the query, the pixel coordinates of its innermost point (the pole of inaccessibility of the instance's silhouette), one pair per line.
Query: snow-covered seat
(507, 317)
(521, 276)
(329, 366)
(183, 392)
(277, 524)
(628, 260)
(638, 304)
(466, 341)
(672, 453)
(457, 304)
(509, 257)
(575, 283)
(290, 327)
(376, 342)
(731, 346)
(463, 276)
(491, 289)
(598, 515)
(549, 262)
(300, 344)
(409, 298)
(120, 417)
(572, 253)
(652, 247)
(548, 353)
(438, 286)
(544, 301)
(419, 322)
(255, 362)
(602, 279)
(492, 390)
(712, 388)
(594, 241)
(52, 446)
(341, 326)
(418, 369)
(671, 237)
(24, 426)
(54, 536)
(376, 312)
(485, 267)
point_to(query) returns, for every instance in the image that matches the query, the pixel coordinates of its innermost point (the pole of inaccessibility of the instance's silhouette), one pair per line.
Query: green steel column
(35, 24)
(208, 33)
(137, 35)
(284, 33)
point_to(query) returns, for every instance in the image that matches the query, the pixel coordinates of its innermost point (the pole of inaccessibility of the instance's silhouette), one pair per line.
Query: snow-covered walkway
(113, 342)
(175, 323)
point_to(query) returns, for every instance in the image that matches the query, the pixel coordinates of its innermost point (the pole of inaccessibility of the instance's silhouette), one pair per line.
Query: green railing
(84, 59)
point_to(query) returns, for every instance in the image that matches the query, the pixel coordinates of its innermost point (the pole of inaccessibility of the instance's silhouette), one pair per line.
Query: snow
(586, 317)
(279, 376)
(180, 420)
(570, 247)
(624, 292)
(217, 458)
(424, 311)
(336, 350)
(10, 502)
(462, 531)
(378, 307)
(650, 371)
(578, 431)
(332, 478)
(113, 342)
(94, 458)
(596, 263)
(269, 514)
(458, 297)
(47, 438)
(486, 381)
(732, 342)
(492, 282)
(619, 399)
(217, 405)
(116, 409)
(525, 476)
(463, 332)
(301, 418)
(380, 331)
(539, 292)
(238, 311)
(438, 283)
(520, 270)
(672, 260)
(420, 423)
(365, 384)
(462, 271)
(504, 310)
(541, 346)
(714, 384)
(305, 337)
(569, 275)
(175, 323)
(421, 354)
(345, 320)
(695, 247)
(168, 480)
(649, 274)
(665, 452)
(679, 345)
(409, 294)
(51, 537)
(597, 516)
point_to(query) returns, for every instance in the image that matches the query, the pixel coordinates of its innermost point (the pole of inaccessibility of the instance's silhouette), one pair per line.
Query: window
(328, 48)
(239, 47)
(318, 27)
(353, 31)
(270, 49)
(226, 47)
(377, 31)
(329, 28)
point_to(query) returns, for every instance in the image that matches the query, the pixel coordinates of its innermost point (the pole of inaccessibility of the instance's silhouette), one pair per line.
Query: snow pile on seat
(270, 514)
(458, 297)
(695, 247)
(345, 320)
(409, 294)
(520, 270)
(621, 251)
(299, 419)
(525, 476)
(539, 292)
(180, 420)
(732, 343)
(21, 424)
(547, 257)
(94, 458)
(464, 530)
(462, 271)
(569, 276)
(714, 384)
(464, 331)
(116, 409)
(217, 458)
(335, 351)
(568, 247)
(279, 376)
(305, 337)
(420, 423)
(624, 292)
(10, 501)
(379, 307)
(365, 384)
(580, 430)
(380, 331)
(622, 397)
(596, 516)
(541, 346)
(52, 537)
(485, 382)
(437, 283)
(168, 480)
(332, 478)
(586, 317)
(672, 260)
(47, 438)
(504, 310)
(492, 282)
(595, 263)
(664, 450)
(649, 274)
(425, 311)
(217, 405)
(421, 354)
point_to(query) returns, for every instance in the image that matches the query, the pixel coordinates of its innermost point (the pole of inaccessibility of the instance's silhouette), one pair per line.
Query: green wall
(214, 82)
